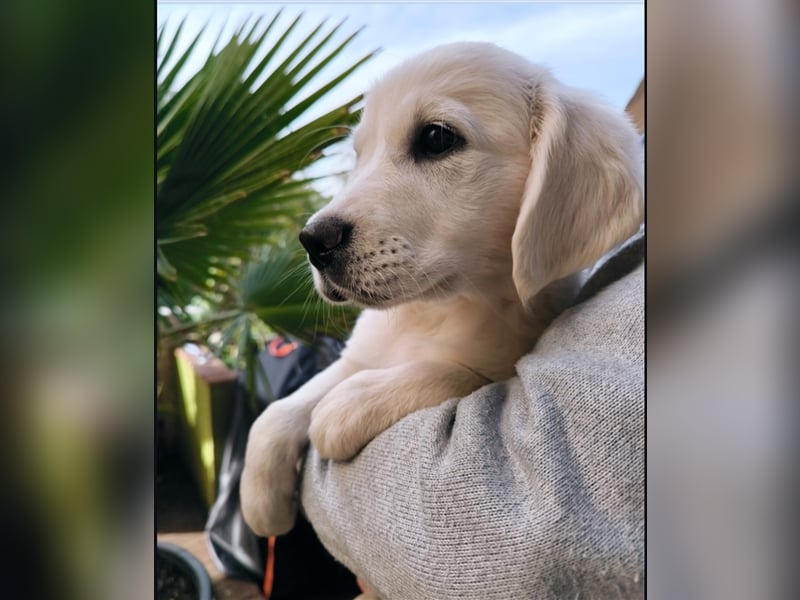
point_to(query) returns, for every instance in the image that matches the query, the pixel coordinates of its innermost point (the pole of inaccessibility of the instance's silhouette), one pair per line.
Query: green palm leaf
(278, 290)
(231, 141)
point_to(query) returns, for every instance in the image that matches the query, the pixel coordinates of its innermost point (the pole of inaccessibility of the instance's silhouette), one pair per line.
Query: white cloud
(591, 45)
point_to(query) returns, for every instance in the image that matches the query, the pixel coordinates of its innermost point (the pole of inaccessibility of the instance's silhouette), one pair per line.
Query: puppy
(482, 189)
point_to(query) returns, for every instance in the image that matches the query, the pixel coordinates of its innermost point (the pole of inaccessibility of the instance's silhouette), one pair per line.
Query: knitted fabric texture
(531, 488)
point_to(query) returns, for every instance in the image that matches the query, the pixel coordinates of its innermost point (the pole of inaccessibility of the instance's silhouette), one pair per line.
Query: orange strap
(279, 348)
(269, 574)
(361, 585)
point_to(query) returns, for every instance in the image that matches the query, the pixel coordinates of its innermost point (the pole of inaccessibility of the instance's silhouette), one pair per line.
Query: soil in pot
(173, 582)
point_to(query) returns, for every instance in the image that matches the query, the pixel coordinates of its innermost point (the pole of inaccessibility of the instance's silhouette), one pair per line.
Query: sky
(598, 46)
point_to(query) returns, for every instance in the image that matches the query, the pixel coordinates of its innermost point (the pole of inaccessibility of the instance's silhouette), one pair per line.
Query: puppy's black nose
(322, 238)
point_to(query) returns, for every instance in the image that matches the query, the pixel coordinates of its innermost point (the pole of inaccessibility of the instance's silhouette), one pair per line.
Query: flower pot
(179, 575)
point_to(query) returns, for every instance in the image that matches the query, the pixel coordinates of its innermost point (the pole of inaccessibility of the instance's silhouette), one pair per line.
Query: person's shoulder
(614, 266)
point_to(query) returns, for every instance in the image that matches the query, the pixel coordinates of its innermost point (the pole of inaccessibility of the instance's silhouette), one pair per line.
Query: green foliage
(231, 144)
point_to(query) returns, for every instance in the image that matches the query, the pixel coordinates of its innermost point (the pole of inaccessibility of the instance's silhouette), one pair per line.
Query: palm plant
(231, 197)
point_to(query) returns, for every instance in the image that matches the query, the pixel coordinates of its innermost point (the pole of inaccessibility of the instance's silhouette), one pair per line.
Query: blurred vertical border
(722, 299)
(77, 191)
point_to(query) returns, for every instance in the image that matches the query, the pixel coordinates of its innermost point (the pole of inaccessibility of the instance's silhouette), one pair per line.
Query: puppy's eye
(436, 139)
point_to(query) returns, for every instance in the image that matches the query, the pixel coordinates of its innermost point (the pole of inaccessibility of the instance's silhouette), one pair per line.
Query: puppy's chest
(382, 340)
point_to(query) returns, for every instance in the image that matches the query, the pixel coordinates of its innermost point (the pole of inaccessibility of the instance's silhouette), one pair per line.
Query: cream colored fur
(465, 259)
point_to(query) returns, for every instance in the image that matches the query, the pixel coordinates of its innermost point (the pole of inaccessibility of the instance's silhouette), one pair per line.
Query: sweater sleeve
(531, 488)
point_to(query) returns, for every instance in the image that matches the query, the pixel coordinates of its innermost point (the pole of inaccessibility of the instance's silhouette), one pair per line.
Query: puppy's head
(474, 166)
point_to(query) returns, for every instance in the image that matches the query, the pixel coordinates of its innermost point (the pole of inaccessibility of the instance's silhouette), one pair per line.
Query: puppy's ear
(583, 195)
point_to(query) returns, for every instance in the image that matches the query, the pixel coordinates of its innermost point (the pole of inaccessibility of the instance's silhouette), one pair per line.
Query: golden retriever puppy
(481, 191)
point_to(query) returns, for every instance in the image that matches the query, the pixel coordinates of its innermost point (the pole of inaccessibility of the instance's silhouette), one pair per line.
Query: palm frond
(231, 141)
(277, 288)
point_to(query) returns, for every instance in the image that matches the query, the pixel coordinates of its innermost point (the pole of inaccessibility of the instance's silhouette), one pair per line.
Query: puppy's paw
(346, 419)
(275, 449)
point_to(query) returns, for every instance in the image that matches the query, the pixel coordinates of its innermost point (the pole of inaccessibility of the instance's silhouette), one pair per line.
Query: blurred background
(83, 307)
(722, 298)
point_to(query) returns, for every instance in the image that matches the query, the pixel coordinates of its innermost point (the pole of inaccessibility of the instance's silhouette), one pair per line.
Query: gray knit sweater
(531, 488)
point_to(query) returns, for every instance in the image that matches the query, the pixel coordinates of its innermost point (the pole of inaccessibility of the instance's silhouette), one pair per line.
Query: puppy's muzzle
(323, 239)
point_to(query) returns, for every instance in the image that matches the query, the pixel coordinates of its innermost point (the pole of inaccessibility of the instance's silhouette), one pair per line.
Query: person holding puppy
(465, 444)
(530, 488)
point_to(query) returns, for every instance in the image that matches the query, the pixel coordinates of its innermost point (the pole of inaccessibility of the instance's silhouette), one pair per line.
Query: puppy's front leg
(371, 401)
(275, 447)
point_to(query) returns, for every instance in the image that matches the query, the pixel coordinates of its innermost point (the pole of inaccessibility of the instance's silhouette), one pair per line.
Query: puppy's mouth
(380, 274)
(370, 296)
(333, 295)
(353, 294)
